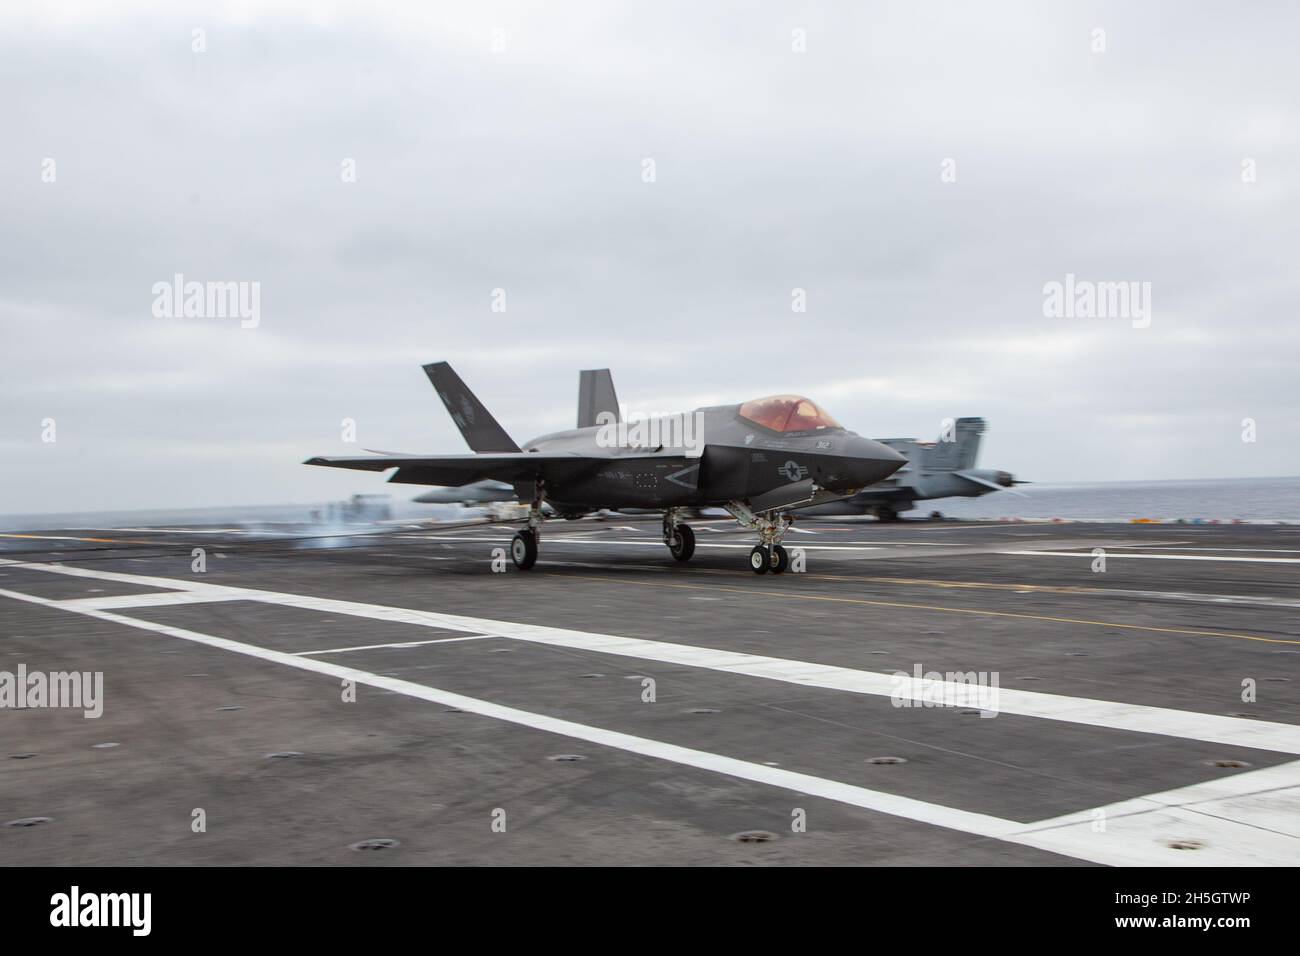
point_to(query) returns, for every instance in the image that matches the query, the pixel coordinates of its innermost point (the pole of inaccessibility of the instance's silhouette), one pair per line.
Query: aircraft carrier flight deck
(406, 696)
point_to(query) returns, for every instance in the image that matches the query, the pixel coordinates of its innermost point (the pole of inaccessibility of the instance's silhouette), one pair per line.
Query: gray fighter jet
(759, 460)
(940, 469)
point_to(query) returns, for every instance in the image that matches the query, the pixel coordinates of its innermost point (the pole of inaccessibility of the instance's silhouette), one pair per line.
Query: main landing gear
(886, 513)
(680, 538)
(523, 547)
(771, 526)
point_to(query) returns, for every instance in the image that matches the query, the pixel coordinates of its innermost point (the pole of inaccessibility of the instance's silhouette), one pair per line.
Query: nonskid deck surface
(1145, 707)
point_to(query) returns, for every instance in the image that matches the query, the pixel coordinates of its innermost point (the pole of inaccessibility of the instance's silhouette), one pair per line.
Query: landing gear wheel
(886, 513)
(760, 559)
(681, 542)
(780, 560)
(523, 549)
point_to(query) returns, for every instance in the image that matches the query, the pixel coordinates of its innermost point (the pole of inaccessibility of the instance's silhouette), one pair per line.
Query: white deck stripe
(1153, 557)
(1170, 547)
(161, 599)
(189, 531)
(574, 539)
(372, 647)
(144, 580)
(935, 814)
(1137, 718)
(1234, 843)
(1256, 814)
(1139, 836)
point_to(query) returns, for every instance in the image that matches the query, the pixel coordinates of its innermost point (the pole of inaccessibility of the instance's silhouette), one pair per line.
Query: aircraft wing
(510, 467)
(991, 485)
(461, 469)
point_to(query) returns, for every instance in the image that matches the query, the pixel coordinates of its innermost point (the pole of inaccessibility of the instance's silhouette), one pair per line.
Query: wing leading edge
(461, 469)
(456, 470)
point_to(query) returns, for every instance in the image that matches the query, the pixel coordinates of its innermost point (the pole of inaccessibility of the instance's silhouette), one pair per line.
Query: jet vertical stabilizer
(596, 395)
(481, 431)
(958, 454)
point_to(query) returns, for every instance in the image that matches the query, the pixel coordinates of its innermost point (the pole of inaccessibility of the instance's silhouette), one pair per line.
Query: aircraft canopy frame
(788, 413)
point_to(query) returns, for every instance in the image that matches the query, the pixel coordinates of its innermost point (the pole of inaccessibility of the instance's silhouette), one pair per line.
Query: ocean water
(1243, 499)
(1223, 499)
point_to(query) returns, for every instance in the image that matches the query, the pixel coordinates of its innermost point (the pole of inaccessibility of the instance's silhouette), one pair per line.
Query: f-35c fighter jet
(759, 460)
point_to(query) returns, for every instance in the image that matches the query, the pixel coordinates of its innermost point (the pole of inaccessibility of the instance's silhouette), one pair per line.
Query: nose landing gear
(771, 526)
(763, 559)
(780, 560)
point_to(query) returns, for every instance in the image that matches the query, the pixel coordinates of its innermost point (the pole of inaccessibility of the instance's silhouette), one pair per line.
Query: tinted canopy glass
(787, 413)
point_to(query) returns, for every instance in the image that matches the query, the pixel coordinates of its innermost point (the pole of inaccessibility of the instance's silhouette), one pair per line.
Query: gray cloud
(522, 170)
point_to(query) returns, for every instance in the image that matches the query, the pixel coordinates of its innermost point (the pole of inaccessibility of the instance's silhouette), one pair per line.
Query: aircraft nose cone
(870, 461)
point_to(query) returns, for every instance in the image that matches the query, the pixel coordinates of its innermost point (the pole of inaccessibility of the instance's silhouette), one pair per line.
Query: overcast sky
(479, 168)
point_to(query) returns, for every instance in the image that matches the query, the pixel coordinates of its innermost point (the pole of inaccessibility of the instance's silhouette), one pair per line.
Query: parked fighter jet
(758, 460)
(474, 493)
(942, 469)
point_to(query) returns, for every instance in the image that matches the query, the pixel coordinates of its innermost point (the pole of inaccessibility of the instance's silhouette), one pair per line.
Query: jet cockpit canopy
(788, 413)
